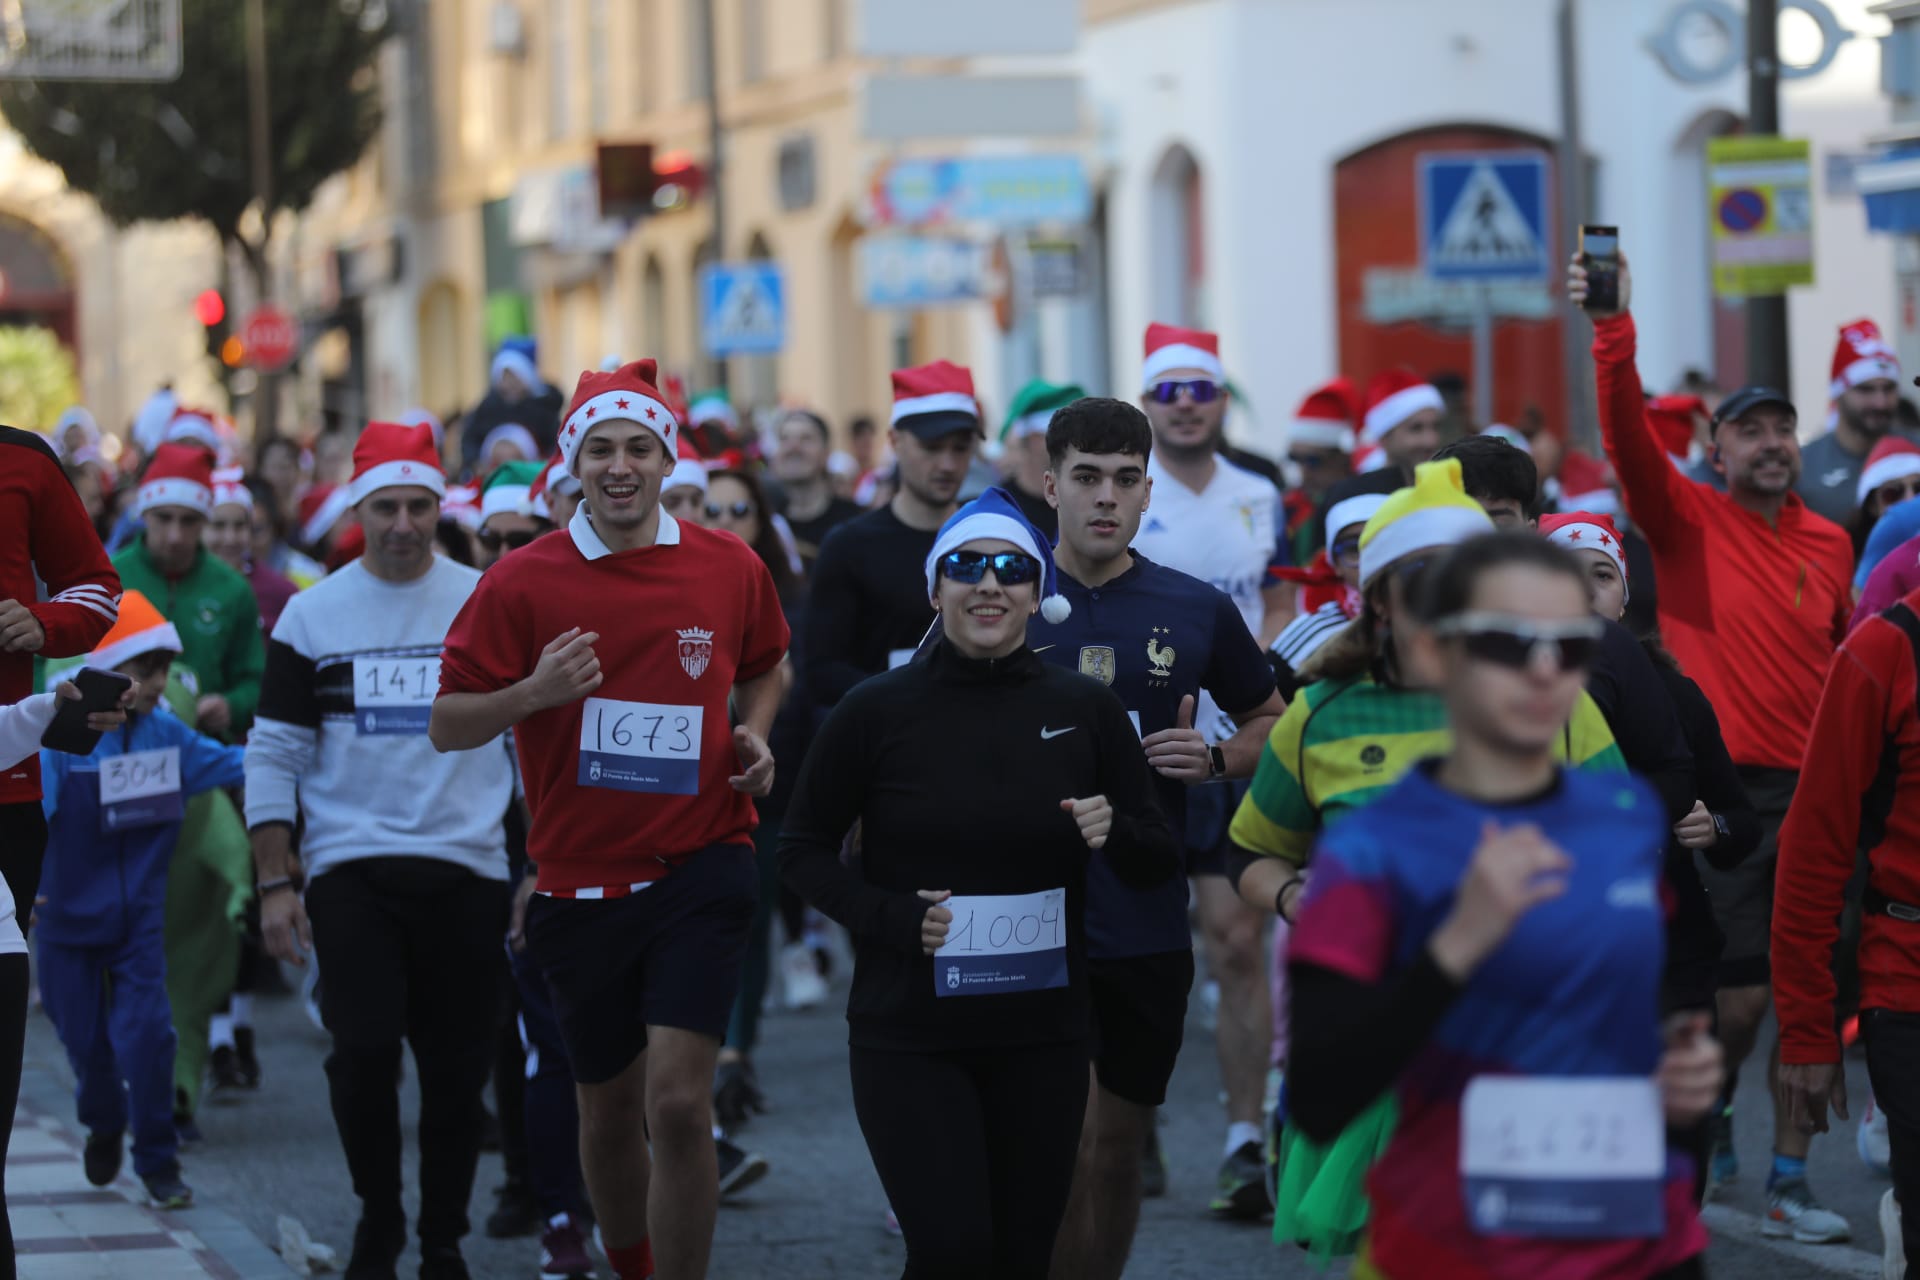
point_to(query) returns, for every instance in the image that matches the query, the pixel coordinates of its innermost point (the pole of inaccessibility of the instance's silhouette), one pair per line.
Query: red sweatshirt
(1866, 724)
(1753, 611)
(46, 538)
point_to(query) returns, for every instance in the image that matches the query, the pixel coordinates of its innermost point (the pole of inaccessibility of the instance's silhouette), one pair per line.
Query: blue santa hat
(994, 514)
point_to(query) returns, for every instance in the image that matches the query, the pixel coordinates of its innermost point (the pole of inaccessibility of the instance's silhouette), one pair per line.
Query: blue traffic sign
(1483, 215)
(743, 309)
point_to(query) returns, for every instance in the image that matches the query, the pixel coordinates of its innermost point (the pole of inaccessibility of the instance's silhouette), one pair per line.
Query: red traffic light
(210, 308)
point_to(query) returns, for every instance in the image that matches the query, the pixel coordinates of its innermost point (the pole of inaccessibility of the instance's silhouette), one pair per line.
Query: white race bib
(640, 746)
(394, 695)
(1003, 942)
(140, 789)
(1580, 1157)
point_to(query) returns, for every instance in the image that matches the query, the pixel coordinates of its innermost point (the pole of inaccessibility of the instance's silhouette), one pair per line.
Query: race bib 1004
(394, 695)
(640, 746)
(140, 789)
(1002, 943)
(1581, 1157)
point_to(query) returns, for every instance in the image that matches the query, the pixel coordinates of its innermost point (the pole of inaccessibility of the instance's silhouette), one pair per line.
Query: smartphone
(1600, 255)
(99, 691)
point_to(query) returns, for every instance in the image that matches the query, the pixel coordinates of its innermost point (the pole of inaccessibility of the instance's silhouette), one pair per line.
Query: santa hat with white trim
(1891, 459)
(628, 394)
(1393, 396)
(388, 455)
(1325, 419)
(994, 514)
(1862, 355)
(689, 471)
(1347, 512)
(461, 504)
(1586, 484)
(76, 416)
(1169, 347)
(1436, 512)
(140, 629)
(934, 400)
(1588, 531)
(417, 417)
(230, 489)
(181, 476)
(194, 426)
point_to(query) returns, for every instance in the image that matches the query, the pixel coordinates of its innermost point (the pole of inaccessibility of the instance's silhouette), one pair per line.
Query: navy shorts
(667, 956)
(1139, 1016)
(1210, 811)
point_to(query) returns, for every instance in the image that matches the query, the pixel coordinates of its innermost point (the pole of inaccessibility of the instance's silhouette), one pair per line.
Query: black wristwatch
(1218, 759)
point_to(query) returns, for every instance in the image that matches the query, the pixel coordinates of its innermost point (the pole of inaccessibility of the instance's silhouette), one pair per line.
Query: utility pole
(1583, 428)
(266, 407)
(716, 184)
(1767, 360)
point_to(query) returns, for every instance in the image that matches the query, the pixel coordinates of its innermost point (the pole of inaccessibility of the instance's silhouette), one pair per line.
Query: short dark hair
(1492, 468)
(1098, 424)
(812, 419)
(862, 426)
(1445, 588)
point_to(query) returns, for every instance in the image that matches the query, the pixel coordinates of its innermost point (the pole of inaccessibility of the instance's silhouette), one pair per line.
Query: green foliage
(37, 379)
(153, 152)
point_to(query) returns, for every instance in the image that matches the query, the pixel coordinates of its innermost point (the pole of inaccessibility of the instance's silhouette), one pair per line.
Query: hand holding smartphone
(99, 691)
(1600, 255)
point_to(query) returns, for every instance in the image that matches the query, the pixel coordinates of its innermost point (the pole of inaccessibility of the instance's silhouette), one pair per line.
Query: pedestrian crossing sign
(1483, 215)
(743, 309)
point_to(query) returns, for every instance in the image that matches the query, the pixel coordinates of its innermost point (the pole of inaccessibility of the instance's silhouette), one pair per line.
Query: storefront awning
(1890, 184)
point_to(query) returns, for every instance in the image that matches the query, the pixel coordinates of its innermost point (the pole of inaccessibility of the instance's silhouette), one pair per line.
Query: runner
(981, 778)
(399, 888)
(683, 491)
(1026, 458)
(507, 521)
(1401, 421)
(868, 610)
(639, 795)
(1754, 597)
(1485, 940)
(1891, 476)
(802, 449)
(230, 536)
(1320, 446)
(1866, 391)
(1300, 639)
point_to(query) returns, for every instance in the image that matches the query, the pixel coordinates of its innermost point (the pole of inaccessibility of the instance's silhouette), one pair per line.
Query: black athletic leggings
(13, 1043)
(976, 1152)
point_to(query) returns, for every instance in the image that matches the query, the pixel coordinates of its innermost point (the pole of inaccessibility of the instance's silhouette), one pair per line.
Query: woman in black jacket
(982, 779)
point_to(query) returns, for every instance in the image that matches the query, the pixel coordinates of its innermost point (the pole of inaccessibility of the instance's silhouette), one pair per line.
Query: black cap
(941, 423)
(1747, 399)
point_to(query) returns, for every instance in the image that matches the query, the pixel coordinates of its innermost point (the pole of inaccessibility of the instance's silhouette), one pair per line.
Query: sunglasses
(1201, 390)
(1898, 491)
(738, 510)
(493, 539)
(1010, 568)
(1347, 549)
(1516, 643)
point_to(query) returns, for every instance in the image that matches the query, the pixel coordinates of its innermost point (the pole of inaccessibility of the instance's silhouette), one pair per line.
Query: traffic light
(210, 309)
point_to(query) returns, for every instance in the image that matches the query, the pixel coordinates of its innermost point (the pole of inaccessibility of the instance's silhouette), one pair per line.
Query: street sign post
(743, 309)
(271, 338)
(1760, 206)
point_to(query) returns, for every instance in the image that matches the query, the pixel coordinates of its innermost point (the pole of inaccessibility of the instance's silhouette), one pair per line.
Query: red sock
(634, 1261)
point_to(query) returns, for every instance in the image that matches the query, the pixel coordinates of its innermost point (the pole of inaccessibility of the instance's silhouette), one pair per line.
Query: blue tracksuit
(102, 968)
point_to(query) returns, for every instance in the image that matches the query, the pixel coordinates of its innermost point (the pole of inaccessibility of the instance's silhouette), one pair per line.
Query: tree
(155, 152)
(37, 380)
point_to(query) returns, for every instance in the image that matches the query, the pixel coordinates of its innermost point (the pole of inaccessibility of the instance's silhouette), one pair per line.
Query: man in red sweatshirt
(58, 597)
(1754, 597)
(1861, 790)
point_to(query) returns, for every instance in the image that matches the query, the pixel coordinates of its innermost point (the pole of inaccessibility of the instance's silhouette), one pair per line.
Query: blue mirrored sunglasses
(1010, 568)
(1202, 390)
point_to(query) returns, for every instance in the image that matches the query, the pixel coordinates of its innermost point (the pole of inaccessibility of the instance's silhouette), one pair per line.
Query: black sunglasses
(1345, 549)
(1010, 568)
(493, 539)
(1513, 642)
(1203, 390)
(739, 510)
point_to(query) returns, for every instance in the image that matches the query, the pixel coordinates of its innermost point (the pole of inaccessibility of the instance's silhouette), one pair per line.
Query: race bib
(1002, 943)
(1575, 1157)
(394, 695)
(640, 746)
(140, 789)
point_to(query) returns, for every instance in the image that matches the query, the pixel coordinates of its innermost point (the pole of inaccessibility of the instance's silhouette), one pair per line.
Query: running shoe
(563, 1250)
(443, 1262)
(515, 1212)
(1793, 1211)
(102, 1156)
(1153, 1166)
(738, 1169)
(1242, 1188)
(244, 1059)
(376, 1248)
(224, 1068)
(736, 1094)
(167, 1191)
(1722, 1168)
(1893, 1258)
(1871, 1141)
(800, 975)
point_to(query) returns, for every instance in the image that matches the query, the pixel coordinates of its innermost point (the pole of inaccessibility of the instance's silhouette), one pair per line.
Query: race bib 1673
(640, 746)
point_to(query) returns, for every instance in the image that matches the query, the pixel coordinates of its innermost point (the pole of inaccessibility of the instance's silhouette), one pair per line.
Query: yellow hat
(1435, 512)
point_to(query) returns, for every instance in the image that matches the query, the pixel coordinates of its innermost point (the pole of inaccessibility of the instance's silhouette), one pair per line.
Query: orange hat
(140, 629)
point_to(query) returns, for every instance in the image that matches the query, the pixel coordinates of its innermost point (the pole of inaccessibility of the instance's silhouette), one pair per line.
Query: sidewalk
(64, 1228)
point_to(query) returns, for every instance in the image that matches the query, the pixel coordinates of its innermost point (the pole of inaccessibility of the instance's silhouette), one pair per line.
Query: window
(559, 70)
(753, 41)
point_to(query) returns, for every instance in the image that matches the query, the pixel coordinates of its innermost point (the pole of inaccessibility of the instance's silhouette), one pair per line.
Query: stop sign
(271, 337)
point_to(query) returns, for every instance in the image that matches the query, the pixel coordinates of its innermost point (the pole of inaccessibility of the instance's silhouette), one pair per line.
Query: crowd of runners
(1480, 795)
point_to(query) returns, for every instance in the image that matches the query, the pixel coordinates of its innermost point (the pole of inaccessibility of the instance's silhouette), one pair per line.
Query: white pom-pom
(1056, 609)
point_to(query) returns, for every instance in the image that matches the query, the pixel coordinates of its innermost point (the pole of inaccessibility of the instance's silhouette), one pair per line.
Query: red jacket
(1860, 788)
(1753, 611)
(46, 538)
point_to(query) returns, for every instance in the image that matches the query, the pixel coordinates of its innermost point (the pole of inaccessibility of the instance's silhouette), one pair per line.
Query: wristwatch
(1218, 760)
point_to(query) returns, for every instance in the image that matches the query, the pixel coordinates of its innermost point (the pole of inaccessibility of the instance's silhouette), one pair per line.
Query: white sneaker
(1893, 1262)
(806, 989)
(1792, 1211)
(1871, 1141)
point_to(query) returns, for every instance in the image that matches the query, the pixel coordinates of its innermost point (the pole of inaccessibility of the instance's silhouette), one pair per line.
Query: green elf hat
(1032, 409)
(712, 406)
(508, 489)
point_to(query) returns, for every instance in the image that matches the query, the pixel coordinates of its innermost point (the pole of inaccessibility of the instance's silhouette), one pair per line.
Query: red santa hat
(1862, 355)
(1325, 419)
(1587, 531)
(194, 426)
(1170, 347)
(230, 489)
(1891, 459)
(462, 505)
(1586, 484)
(935, 399)
(1672, 419)
(181, 476)
(388, 455)
(627, 394)
(1392, 397)
(320, 509)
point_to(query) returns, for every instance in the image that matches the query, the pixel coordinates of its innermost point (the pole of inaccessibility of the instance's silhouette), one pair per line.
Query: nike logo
(1047, 735)
(1838, 476)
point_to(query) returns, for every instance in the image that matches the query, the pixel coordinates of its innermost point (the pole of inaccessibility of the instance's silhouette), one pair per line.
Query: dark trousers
(551, 1111)
(1893, 1066)
(13, 1043)
(743, 1029)
(411, 951)
(23, 847)
(989, 1203)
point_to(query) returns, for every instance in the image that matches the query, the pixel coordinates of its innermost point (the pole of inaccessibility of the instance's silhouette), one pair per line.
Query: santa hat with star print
(1862, 355)
(1588, 531)
(628, 394)
(1325, 420)
(1169, 347)
(1891, 459)
(388, 455)
(181, 476)
(1392, 397)
(230, 489)
(994, 514)
(934, 400)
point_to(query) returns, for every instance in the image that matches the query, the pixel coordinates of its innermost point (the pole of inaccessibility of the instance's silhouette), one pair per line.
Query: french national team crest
(696, 651)
(1096, 660)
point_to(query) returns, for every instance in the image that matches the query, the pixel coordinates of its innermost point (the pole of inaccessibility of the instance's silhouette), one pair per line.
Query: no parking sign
(1760, 207)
